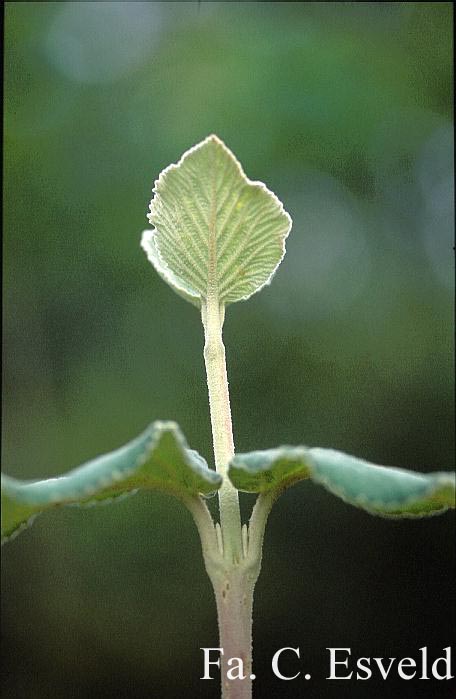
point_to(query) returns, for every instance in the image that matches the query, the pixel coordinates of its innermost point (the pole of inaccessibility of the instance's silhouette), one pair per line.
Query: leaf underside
(158, 459)
(391, 492)
(215, 231)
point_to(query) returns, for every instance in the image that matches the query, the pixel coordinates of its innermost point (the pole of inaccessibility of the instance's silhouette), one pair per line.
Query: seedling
(218, 238)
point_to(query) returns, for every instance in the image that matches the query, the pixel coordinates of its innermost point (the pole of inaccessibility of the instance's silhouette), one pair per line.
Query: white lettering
(275, 664)
(239, 667)
(208, 662)
(447, 662)
(407, 662)
(384, 673)
(424, 675)
(334, 662)
(363, 665)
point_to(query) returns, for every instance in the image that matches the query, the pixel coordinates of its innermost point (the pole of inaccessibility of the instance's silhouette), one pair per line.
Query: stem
(234, 598)
(213, 556)
(257, 525)
(232, 555)
(233, 587)
(232, 575)
(222, 433)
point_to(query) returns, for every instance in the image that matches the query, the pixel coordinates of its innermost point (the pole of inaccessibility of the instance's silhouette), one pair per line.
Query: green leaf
(392, 492)
(158, 459)
(216, 232)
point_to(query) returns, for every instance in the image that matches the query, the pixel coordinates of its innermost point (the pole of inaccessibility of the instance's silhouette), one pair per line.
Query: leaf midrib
(212, 281)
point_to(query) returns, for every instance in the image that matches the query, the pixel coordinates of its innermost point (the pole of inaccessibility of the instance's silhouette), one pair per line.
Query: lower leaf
(158, 459)
(387, 491)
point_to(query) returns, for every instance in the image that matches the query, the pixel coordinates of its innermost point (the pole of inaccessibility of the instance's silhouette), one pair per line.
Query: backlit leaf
(215, 231)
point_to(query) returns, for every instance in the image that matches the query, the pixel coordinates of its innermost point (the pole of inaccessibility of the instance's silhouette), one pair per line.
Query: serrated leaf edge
(435, 481)
(147, 235)
(18, 490)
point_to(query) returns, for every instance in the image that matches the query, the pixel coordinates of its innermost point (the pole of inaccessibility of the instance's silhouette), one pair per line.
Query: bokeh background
(344, 110)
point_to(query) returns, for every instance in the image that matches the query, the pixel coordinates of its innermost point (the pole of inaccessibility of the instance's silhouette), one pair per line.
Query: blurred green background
(345, 111)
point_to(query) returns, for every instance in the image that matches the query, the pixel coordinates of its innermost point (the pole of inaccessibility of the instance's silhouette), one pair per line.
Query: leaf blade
(391, 492)
(159, 459)
(271, 469)
(214, 229)
(386, 491)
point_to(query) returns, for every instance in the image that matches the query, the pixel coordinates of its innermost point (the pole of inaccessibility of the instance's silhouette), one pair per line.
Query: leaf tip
(214, 138)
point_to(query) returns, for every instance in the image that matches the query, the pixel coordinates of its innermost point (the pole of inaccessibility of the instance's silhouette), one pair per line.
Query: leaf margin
(102, 485)
(254, 472)
(148, 237)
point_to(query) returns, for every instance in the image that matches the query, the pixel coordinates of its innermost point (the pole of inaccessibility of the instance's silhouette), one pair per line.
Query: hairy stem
(234, 598)
(231, 574)
(257, 525)
(233, 587)
(222, 433)
(212, 553)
